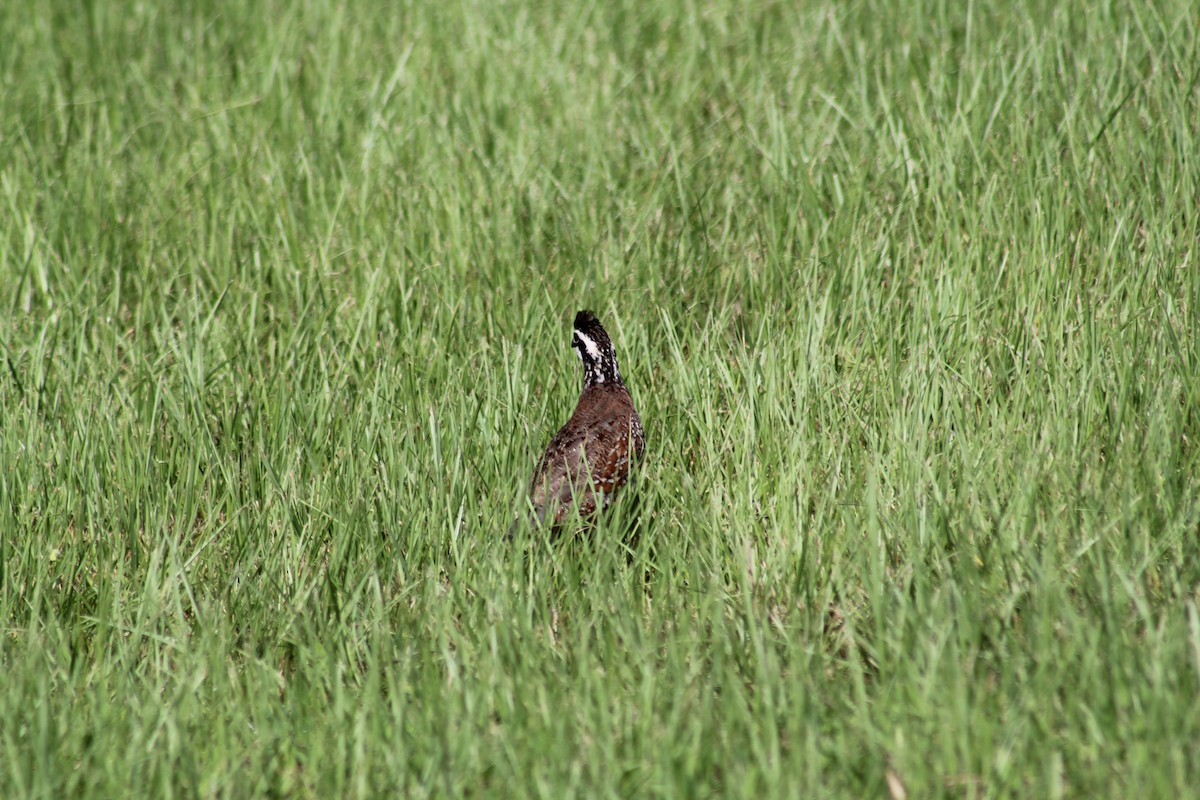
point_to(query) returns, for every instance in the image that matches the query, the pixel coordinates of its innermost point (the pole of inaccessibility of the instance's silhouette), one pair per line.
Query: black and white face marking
(595, 350)
(586, 344)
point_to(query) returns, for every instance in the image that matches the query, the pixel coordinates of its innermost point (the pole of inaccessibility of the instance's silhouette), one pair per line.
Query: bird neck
(601, 372)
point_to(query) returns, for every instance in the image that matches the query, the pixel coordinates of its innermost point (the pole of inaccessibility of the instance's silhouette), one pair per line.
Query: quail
(589, 459)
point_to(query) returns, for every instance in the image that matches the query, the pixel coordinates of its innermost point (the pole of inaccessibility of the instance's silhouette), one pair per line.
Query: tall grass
(907, 294)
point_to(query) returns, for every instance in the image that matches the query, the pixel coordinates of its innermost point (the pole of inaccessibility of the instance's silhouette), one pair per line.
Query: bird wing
(588, 458)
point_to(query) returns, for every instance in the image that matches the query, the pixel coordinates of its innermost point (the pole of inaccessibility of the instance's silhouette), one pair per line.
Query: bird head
(595, 350)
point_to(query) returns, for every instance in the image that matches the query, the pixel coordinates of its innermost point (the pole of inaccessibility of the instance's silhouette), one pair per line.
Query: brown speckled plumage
(589, 459)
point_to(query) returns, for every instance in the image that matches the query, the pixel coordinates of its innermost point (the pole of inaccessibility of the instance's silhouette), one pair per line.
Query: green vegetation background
(907, 293)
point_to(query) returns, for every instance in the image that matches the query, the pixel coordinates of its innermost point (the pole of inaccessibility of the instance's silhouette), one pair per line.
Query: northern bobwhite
(589, 458)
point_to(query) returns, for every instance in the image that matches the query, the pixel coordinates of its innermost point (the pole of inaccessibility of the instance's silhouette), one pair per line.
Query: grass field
(908, 295)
